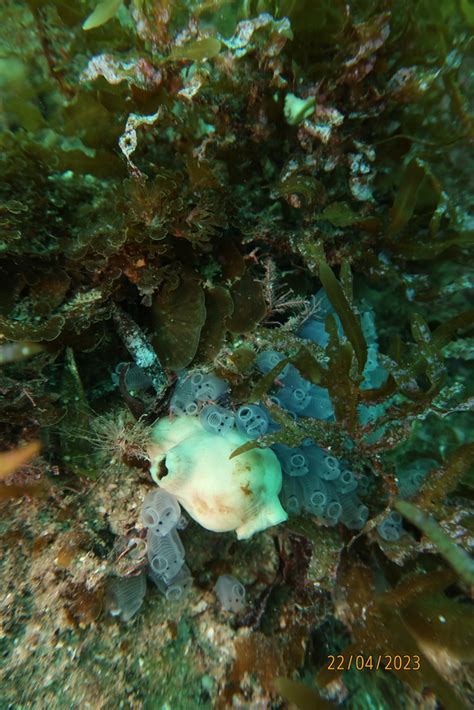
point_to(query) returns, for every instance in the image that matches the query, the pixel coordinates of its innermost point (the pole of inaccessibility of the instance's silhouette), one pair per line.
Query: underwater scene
(236, 349)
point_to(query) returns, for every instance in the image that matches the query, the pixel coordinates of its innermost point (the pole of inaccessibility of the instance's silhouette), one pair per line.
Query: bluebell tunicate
(347, 482)
(320, 405)
(295, 400)
(323, 490)
(252, 420)
(182, 396)
(411, 477)
(175, 588)
(291, 496)
(127, 594)
(216, 419)
(161, 514)
(333, 512)
(316, 494)
(269, 359)
(208, 386)
(182, 523)
(293, 460)
(161, 511)
(354, 513)
(315, 331)
(391, 528)
(321, 463)
(290, 377)
(136, 379)
(231, 593)
(165, 554)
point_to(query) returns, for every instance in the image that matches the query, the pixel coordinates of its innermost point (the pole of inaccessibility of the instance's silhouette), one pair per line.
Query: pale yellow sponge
(219, 492)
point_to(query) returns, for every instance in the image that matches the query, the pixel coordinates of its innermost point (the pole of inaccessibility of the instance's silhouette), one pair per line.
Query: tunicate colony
(314, 480)
(161, 515)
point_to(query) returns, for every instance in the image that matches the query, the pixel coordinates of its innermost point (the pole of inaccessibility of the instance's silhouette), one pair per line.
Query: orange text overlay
(374, 663)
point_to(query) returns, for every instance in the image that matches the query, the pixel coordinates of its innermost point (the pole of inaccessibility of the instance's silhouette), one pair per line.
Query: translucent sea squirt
(219, 492)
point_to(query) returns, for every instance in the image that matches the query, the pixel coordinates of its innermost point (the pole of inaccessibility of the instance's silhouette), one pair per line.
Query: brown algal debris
(266, 657)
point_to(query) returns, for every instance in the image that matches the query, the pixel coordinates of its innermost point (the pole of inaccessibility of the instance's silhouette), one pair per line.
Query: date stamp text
(377, 662)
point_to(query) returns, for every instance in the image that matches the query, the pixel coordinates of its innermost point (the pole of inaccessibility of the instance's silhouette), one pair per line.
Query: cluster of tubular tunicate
(374, 374)
(230, 592)
(192, 390)
(313, 479)
(126, 595)
(391, 528)
(411, 478)
(161, 514)
(318, 483)
(292, 392)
